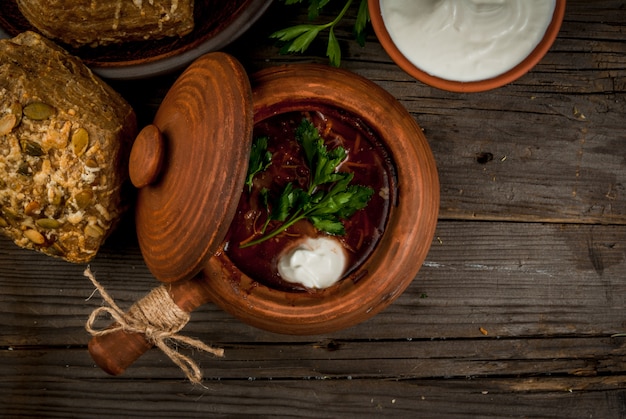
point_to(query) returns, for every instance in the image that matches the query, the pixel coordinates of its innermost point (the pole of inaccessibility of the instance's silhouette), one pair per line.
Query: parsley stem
(294, 219)
(338, 18)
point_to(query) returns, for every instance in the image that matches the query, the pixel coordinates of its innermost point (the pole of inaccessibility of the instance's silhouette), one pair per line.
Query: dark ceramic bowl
(217, 23)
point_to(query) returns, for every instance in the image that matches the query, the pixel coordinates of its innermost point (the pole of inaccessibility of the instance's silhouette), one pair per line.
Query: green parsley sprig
(260, 159)
(299, 37)
(329, 197)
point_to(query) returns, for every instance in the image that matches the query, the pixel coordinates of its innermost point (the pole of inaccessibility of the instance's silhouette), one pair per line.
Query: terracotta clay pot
(191, 164)
(408, 233)
(513, 74)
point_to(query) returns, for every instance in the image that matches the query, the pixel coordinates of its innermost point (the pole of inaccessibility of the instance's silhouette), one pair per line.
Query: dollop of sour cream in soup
(315, 263)
(466, 40)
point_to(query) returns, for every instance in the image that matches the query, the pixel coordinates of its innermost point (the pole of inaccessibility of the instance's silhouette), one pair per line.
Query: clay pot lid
(190, 166)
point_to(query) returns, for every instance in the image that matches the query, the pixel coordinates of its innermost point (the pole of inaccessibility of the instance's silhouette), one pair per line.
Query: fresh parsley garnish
(260, 159)
(328, 199)
(299, 37)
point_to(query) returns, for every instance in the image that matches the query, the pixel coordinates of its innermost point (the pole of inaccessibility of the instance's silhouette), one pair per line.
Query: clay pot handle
(117, 350)
(152, 320)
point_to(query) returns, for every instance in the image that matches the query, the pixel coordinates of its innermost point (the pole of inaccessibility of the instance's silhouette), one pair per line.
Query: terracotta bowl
(217, 23)
(513, 74)
(190, 166)
(410, 226)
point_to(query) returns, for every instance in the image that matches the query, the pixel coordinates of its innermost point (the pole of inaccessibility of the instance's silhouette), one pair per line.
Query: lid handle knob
(146, 156)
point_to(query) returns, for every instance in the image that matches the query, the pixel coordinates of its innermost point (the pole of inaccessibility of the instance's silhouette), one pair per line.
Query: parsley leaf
(330, 225)
(299, 37)
(320, 161)
(260, 159)
(329, 198)
(362, 18)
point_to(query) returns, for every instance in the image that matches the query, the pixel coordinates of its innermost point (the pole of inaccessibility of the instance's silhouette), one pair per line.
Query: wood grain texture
(494, 275)
(511, 314)
(313, 397)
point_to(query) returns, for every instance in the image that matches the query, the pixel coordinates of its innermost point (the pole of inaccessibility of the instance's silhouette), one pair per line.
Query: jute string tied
(158, 318)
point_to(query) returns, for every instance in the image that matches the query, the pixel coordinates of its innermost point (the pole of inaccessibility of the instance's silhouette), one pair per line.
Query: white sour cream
(314, 263)
(466, 40)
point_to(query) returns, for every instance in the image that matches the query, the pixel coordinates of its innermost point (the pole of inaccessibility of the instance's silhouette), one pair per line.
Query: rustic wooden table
(512, 314)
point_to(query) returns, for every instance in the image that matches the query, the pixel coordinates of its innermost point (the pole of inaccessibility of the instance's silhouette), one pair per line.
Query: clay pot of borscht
(302, 199)
(387, 241)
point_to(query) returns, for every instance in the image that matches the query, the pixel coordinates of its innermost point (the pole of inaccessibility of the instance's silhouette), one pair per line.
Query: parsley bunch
(299, 37)
(329, 197)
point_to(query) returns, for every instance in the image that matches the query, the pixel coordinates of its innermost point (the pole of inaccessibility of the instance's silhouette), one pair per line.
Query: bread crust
(102, 22)
(64, 143)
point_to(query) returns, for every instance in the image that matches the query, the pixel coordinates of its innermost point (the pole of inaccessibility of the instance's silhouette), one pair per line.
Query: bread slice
(65, 137)
(102, 22)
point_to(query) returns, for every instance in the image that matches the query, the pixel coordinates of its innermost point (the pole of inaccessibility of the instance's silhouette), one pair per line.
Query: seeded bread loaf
(64, 143)
(102, 22)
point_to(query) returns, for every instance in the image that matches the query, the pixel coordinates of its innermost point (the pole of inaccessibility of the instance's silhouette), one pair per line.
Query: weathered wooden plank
(512, 279)
(556, 397)
(349, 359)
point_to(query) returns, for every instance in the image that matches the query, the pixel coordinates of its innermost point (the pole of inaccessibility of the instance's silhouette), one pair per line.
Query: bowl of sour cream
(470, 45)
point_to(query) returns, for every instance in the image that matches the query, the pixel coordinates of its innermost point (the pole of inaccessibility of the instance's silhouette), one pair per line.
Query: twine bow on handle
(158, 318)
